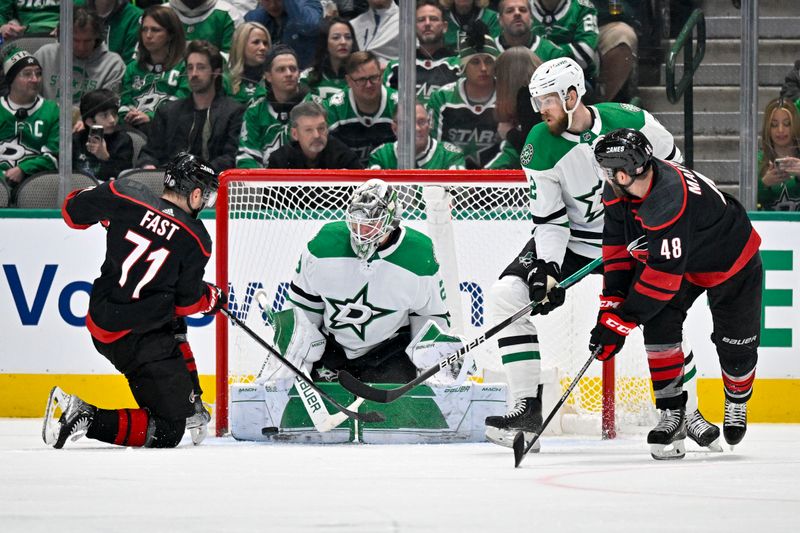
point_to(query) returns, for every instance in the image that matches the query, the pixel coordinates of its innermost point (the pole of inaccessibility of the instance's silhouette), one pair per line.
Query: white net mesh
(477, 227)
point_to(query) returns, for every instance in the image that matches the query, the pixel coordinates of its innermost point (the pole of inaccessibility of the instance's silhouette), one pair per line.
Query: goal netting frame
(478, 221)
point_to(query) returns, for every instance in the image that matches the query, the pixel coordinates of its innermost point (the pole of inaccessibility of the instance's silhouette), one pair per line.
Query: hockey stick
(320, 416)
(363, 390)
(520, 448)
(370, 416)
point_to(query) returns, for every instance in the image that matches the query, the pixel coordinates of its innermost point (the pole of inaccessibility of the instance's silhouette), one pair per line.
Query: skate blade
(668, 452)
(56, 405)
(715, 447)
(501, 437)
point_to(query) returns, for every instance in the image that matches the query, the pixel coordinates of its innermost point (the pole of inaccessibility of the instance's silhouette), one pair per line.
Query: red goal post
(478, 220)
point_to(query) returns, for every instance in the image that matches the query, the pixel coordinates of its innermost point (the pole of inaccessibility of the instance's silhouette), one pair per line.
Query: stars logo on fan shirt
(594, 202)
(13, 151)
(355, 313)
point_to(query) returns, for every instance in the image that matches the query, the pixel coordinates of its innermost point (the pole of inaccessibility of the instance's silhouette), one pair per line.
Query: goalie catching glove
(430, 345)
(542, 280)
(608, 336)
(298, 341)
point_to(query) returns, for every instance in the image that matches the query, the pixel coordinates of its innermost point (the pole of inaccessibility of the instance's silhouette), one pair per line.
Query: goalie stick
(370, 416)
(521, 449)
(363, 390)
(320, 416)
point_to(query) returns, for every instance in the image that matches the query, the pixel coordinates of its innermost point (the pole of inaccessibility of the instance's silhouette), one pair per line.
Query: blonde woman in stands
(779, 158)
(251, 42)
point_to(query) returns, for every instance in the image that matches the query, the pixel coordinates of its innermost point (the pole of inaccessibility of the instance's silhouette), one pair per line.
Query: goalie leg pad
(297, 340)
(518, 343)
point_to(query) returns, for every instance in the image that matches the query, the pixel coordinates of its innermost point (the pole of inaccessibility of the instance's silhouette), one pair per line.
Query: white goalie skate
(666, 440)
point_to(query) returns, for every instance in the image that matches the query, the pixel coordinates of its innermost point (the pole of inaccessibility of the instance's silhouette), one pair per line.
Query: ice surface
(574, 485)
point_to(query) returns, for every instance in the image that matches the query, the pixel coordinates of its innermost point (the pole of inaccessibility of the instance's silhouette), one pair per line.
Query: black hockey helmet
(187, 172)
(624, 149)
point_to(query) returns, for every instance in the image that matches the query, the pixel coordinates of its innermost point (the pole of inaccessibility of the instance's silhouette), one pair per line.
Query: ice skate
(735, 425)
(666, 439)
(704, 433)
(73, 422)
(525, 416)
(197, 424)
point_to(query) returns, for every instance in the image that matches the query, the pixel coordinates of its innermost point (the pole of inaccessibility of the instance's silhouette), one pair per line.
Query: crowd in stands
(222, 79)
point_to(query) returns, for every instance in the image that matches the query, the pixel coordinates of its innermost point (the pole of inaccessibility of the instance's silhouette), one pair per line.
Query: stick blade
(358, 388)
(372, 417)
(519, 448)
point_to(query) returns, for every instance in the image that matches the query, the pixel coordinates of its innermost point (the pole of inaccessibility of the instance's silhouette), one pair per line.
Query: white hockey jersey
(567, 183)
(363, 303)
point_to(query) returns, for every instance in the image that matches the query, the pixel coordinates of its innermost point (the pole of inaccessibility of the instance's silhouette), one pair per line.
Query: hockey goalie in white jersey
(366, 297)
(566, 188)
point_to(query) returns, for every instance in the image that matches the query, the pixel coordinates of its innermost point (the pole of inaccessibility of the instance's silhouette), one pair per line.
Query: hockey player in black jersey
(152, 277)
(669, 236)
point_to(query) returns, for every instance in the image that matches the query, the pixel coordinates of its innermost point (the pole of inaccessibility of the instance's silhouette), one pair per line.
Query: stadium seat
(5, 194)
(139, 139)
(40, 191)
(31, 43)
(153, 179)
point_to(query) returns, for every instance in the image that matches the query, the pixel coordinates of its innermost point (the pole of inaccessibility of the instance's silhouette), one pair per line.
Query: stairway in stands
(716, 83)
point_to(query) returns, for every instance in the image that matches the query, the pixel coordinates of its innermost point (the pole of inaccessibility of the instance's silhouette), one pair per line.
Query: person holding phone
(779, 158)
(101, 149)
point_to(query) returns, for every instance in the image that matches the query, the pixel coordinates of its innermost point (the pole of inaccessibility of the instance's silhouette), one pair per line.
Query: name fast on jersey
(158, 225)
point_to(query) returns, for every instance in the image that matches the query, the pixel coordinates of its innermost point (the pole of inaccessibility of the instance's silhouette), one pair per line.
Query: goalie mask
(373, 213)
(557, 76)
(187, 172)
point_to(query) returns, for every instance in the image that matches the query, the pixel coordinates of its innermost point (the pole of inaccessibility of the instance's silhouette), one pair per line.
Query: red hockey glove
(608, 336)
(216, 299)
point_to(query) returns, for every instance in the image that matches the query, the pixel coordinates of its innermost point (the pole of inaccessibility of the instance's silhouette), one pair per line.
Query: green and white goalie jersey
(363, 303)
(567, 184)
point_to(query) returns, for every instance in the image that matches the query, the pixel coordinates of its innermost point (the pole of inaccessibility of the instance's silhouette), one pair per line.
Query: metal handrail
(691, 62)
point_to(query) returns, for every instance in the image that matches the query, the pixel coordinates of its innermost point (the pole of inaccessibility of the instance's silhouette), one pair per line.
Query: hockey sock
(191, 366)
(666, 373)
(522, 363)
(738, 389)
(123, 427)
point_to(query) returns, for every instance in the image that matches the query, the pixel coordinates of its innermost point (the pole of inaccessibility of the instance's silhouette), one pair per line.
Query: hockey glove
(608, 336)
(217, 299)
(541, 275)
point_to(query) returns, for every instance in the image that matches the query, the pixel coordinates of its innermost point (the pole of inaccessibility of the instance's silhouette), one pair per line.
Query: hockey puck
(269, 431)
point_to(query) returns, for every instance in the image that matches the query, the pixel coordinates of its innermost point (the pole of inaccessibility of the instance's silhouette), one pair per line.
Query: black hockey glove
(217, 299)
(537, 287)
(608, 336)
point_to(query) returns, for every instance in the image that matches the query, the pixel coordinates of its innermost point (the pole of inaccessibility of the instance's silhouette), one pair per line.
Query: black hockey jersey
(684, 228)
(156, 254)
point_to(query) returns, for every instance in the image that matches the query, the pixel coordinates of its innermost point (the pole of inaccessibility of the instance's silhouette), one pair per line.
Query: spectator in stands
(93, 67)
(791, 85)
(101, 150)
(251, 43)
(205, 124)
(311, 147)
(460, 14)
(618, 45)
(294, 23)
(437, 65)
(121, 21)
(28, 122)
(159, 72)
(377, 30)
(779, 157)
(349, 9)
(335, 43)
(18, 18)
(463, 112)
(265, 125)
(361, 116)
(209, 20)
(565, 28)
(430, 154)
(513, 111)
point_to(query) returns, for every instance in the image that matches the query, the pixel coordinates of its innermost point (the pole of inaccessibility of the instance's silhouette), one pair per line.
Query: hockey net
(478, 222)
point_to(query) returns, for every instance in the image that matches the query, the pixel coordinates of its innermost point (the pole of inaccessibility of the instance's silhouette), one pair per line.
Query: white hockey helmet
(374, 212)
(557, 76)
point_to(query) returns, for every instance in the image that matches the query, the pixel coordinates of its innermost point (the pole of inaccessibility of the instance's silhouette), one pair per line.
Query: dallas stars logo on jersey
(355, 313)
